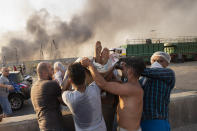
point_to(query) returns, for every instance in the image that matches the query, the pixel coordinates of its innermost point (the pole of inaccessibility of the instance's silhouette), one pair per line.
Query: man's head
(5, 71)
(162, 58)
(76, 74)
(45, 71)
(133, 66)
(58, 66)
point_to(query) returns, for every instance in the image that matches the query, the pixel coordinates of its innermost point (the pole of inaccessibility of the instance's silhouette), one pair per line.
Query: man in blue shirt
(157, 83)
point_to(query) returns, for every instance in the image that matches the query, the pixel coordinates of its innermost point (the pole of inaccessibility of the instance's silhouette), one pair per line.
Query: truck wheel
(16, 101)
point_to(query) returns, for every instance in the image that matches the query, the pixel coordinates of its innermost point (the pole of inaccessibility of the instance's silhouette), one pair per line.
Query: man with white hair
(59, 71)
(4, 91)
(157, 83)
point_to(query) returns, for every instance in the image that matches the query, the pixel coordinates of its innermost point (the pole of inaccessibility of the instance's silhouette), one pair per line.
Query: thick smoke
(104, 20)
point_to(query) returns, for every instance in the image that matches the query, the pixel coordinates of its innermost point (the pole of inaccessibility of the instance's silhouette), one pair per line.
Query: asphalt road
(26, 109)
(186, 74)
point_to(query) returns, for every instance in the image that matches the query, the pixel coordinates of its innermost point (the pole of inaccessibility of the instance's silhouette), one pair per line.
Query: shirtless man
(130, 105)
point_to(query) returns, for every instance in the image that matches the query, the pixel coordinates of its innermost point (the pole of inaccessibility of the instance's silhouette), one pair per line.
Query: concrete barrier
(29, 123)
(20, 123)
(183, 114)
(183, 109)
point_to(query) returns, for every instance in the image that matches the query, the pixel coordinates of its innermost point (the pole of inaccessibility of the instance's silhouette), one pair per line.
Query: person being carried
(4, 91)
(130, 105)
(45, 96)
(84, 102)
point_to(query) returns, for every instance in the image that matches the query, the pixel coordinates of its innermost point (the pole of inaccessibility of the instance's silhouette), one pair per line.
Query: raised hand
(85, 62)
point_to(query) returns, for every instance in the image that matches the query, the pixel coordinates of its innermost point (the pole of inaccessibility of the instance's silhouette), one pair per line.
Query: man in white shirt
(84, 102)
(59, 71)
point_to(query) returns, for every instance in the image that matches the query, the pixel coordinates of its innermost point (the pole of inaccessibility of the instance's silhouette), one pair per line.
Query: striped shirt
(157, 89)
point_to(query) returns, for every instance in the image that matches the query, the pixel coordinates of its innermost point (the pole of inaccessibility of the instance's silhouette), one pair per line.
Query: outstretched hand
(85, 62)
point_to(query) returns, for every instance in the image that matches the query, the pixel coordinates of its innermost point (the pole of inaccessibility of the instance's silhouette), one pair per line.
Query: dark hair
(76, 73)
(136, 63)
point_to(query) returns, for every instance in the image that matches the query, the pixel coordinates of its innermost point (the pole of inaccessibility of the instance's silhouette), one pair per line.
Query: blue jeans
(5, 105)
(115, 123)
(155, 125)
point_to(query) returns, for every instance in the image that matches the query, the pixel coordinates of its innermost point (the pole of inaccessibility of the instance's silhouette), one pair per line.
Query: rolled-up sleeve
(159, 73)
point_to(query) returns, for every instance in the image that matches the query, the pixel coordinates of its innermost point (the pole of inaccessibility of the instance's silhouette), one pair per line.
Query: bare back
(130, 108)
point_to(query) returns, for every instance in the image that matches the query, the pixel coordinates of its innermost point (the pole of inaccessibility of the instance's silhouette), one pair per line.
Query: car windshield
(15, 77)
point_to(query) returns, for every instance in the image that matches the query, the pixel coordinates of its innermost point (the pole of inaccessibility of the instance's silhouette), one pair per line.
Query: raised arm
(112, 87)
(65, 83)
(159, 73)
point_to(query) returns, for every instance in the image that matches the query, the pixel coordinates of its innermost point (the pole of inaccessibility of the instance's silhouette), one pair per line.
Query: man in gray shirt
(4, 91)
(84, 102)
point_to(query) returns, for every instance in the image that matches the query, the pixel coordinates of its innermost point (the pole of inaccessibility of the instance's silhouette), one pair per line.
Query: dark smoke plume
(101, 20)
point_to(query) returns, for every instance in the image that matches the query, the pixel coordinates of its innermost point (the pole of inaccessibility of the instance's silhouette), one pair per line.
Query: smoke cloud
(105, 20)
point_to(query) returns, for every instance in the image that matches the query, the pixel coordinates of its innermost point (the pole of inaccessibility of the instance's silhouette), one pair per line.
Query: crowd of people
(143, 93)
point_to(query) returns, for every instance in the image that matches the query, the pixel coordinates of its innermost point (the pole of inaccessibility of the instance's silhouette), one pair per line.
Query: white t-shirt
(86, 108)
(58, 77)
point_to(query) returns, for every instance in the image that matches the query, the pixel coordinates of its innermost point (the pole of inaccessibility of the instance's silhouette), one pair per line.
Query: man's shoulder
(69, 96)
(134, 88)
(67, 92)
(171, 70)
(45, 84)
(93, 85)
(49, 83)
(3, 79)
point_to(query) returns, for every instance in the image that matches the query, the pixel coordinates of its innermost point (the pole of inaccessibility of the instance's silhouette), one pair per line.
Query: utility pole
(51, 52)
(4, 61)
(41, 52)
(56, 52)
(17, 60)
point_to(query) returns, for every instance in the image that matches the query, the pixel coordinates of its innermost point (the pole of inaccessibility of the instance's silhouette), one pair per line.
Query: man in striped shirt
(157, 83)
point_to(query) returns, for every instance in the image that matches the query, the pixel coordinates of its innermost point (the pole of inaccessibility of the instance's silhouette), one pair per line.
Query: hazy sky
(14, 13)
(25, 24)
